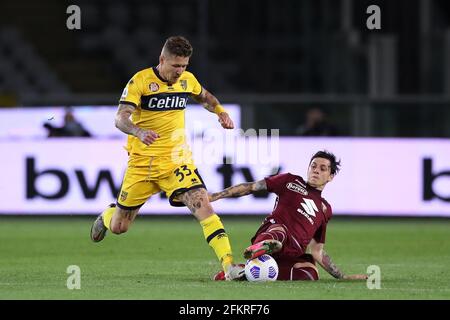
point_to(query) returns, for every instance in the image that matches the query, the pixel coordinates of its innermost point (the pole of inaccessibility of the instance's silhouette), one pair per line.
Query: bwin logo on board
(430, 179)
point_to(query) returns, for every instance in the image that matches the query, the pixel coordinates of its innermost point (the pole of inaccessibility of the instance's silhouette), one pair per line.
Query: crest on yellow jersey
(183, 84)
(123, 196)
(154, 87)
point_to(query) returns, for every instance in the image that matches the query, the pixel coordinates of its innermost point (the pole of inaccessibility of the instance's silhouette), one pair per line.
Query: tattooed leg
(213, 230)
(197, 201)
(122, 219)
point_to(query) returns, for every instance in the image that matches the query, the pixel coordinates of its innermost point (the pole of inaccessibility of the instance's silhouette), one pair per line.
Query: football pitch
(167, 258)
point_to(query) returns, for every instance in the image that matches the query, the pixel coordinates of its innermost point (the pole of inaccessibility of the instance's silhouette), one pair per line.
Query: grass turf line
(167, 258)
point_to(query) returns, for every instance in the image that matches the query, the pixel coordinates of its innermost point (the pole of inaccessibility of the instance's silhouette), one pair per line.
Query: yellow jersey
(161, 108)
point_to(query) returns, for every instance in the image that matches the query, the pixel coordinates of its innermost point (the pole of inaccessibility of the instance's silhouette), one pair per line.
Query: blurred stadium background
(379, 99)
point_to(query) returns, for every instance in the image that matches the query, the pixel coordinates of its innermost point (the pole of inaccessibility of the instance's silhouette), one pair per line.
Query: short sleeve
(197, 87)
(132, 92)
(277, 182)
(319, 236)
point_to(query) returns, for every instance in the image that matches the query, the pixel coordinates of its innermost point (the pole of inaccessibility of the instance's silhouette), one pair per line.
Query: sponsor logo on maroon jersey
(296, 188)
(309, 209)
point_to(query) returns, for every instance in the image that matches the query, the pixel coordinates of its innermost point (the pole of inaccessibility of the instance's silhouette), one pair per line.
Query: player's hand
(356, 277)
(147, 136)
(225, 121)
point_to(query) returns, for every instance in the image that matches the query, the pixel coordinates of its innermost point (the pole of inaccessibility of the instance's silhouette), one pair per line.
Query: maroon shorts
(291, 246)
(287, 271)
(291, 254)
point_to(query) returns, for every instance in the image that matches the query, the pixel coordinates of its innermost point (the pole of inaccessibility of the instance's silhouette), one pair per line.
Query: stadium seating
(22, 70)
(315, 47)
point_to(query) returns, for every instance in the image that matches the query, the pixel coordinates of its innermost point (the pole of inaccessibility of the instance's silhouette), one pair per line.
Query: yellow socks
(217, 238)
(107, 216)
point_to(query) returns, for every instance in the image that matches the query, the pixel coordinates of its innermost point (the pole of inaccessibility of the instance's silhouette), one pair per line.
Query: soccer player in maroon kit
(298, 221)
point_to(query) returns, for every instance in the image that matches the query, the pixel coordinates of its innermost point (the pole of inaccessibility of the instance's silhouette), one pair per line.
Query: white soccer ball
(263, 268)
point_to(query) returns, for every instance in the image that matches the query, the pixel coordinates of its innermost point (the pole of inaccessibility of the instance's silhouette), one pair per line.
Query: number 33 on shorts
(146, 176)
(184, 177)
(182, 172)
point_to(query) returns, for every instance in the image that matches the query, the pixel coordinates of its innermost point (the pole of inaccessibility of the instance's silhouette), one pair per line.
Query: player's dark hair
(334, 164)
(178, 46)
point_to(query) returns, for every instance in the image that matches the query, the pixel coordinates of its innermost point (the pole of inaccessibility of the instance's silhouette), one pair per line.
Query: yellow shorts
(146, 176)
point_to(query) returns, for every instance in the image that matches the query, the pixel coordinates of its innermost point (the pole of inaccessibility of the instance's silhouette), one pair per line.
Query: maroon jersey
(301, 209)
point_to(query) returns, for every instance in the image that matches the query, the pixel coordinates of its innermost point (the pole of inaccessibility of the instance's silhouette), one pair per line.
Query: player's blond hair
(178, 46)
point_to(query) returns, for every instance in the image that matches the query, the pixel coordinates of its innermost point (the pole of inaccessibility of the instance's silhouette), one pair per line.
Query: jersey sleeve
(133, 91)
(319, 236)
(276, 183)
(197, 87)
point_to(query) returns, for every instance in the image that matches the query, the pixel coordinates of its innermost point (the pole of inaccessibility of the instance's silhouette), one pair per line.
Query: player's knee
(121, 222)
(124, 226)
(118, 228)
(115, 228)
(201, 203)
(207, 207)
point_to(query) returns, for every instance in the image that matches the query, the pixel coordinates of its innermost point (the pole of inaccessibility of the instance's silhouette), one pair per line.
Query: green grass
(167, 258)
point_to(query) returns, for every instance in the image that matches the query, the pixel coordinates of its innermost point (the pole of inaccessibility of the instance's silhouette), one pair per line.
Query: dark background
(277, 59)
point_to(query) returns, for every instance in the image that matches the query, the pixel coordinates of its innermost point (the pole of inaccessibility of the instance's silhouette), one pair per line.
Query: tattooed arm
(325, 261)
(210, 103)
(124, 124)
(207, 99)
(239, 190)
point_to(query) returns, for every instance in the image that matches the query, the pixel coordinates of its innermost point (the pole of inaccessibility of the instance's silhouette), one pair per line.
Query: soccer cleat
(264, 247)
(98, 229)
(219, 276)
(236, 272)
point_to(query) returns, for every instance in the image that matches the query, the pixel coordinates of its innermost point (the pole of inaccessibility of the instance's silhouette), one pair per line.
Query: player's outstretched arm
(239, 190)
(325, 262)
(124, 124)
(212, 104)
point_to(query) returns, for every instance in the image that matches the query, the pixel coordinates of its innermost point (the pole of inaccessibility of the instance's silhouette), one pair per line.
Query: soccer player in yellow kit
(155, 99)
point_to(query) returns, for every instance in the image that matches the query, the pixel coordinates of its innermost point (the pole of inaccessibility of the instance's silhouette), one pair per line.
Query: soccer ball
(263, 268)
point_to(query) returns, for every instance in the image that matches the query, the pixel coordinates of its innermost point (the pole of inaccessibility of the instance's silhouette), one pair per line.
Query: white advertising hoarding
(26, 123)
(399, 177)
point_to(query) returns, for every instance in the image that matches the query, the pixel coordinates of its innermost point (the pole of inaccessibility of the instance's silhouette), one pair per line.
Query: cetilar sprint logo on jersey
(309, 209)
(165, 102)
